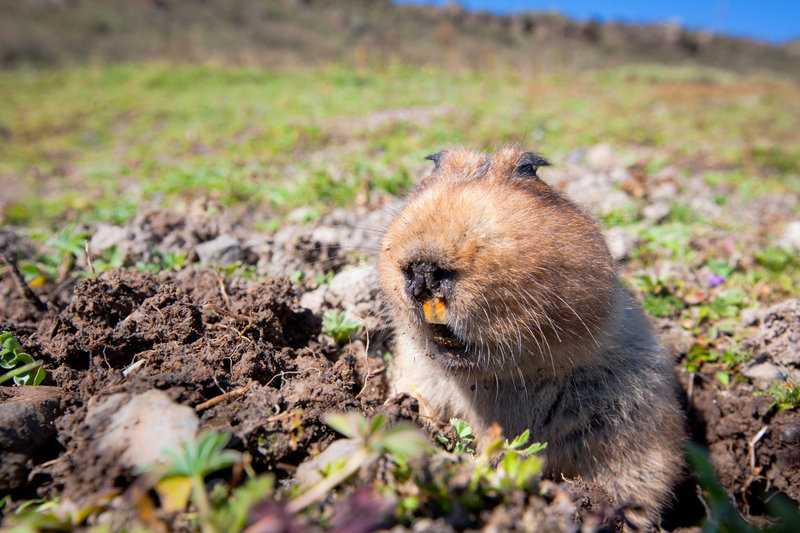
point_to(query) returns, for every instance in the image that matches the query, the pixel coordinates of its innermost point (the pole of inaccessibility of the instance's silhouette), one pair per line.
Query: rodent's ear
(529, 163)
(435, 158)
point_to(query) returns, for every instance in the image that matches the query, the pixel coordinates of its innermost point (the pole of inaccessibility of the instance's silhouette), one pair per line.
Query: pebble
(141, 427)
(620, 242)
(27, 417)
(763, 374)
(656, 212)
(601, 157)
(790, 239)
(224, 250)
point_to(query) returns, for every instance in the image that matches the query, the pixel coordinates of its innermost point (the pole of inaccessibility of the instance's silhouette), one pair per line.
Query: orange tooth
(435, 311)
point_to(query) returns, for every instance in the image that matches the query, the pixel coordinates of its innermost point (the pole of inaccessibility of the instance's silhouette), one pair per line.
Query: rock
(620, 242)
(656, 212)
(705, 208)
(106, 236)
(141, 427)
(596, 193)
(666, 192)
(27, 417)
(764, 374)
(619, 175)
(308, 472)
(602, 158)
(779, 336)
(751, 316)
(314, 300)
(354, 290)
(224, 250)
(790, 239)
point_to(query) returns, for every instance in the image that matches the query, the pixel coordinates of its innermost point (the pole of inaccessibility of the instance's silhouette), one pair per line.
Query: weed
(660, 301)
(785, 394)
(172, 260)
(323, 278)
(21, 366)
(775, 259)
(296, 277)
(463, 440)
(339, 325)
(662, 305)
(721, 267)
(184, 474)
(375, 438)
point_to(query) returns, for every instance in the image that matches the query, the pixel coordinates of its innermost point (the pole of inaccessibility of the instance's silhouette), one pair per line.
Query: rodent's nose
(424, 280)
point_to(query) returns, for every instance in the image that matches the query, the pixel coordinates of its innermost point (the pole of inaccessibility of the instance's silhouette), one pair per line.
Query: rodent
(508, 310)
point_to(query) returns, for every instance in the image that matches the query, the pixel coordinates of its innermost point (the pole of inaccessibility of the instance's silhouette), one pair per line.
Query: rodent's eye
(435, 158)
(529, 164)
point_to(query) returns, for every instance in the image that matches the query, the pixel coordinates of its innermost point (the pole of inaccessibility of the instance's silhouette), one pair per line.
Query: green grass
(89, 143)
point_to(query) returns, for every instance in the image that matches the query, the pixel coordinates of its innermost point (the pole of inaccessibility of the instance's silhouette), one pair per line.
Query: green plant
(775, 259)
(172, 260)
(22, 368)
(339, 326)
(296, 277)
(375, 438)
(463, 440)
(323, 278)
(516, 468)
(231, 511)
(662, 305)
(184, 474)
(37, 515)
(785, 394)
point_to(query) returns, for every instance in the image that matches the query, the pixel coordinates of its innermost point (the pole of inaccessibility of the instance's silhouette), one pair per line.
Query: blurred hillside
(359, 32)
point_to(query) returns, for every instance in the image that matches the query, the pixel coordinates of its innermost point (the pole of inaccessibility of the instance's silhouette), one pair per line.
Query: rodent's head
(490, 271)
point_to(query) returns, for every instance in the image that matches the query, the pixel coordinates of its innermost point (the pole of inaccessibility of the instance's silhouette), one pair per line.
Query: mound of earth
(136, 358)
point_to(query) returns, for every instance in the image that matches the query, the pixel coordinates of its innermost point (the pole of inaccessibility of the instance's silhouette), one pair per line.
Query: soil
(250, 360)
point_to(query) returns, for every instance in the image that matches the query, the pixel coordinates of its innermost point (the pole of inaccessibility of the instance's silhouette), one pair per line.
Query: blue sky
(774, 21)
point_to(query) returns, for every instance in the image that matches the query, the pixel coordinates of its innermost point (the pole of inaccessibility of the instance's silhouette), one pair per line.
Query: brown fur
(551, 341)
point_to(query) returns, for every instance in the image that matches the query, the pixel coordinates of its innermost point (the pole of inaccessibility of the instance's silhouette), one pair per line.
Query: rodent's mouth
(448, 350)
(444, 337)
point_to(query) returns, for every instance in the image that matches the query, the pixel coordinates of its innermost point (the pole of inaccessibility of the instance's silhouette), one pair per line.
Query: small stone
(620, 242)
(656, 212)
(602, 158)
(705, 208)
(666, 192)
(790, 239)
(106, 236)
(141, 427)
(751, 316)
(315, 299)
(354, 290)
(224, 250)
(764, 374)
(27, 417)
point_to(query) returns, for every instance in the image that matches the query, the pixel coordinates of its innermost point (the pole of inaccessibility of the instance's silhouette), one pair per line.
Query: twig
(26, 291)
(222, 290)
(752, 446)
(222, 397)
(369, 371)
(89, 257)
